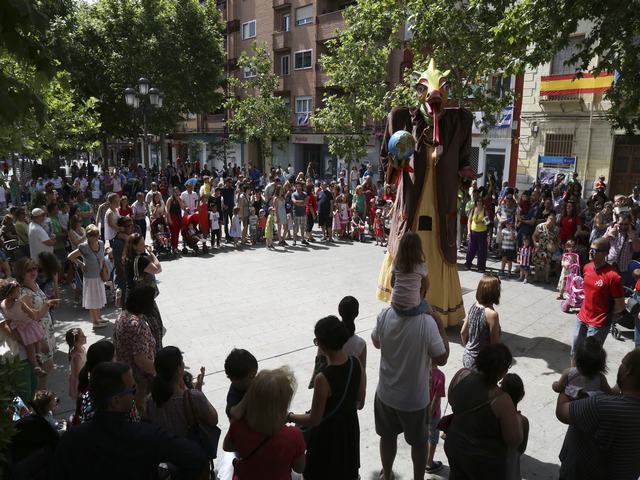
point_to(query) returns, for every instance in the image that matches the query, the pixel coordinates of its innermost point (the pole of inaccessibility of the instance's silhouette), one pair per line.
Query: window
(284, 65)
(302, 59)
(249, 29)
(249, 72)
(559, 144)
(558, 66)
(286, 22)
(303, 104)
(304, 15)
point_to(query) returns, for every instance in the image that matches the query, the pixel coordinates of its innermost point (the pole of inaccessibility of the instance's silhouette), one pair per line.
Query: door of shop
(495, 162)
(625, 172)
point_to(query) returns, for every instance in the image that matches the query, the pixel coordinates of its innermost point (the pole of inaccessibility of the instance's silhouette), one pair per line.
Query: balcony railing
(328, 24)
(281, 41)
(233, 26)
(569, 98)
(277, 4)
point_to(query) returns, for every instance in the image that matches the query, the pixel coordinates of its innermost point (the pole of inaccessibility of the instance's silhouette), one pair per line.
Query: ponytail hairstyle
(71, 337)
(101, 351)
(331, 333)
(167, 362)
(348, 308)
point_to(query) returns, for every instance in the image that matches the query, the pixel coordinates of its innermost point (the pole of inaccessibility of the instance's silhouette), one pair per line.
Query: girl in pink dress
(23, 320)
(76, 340)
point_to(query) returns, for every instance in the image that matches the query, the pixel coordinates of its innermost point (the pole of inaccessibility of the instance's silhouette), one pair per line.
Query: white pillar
(203, 156)
(174, 153)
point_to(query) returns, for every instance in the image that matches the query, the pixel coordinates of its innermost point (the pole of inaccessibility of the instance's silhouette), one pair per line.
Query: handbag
(206, 437)
(308, 431)
(105, 274)
(145, 278)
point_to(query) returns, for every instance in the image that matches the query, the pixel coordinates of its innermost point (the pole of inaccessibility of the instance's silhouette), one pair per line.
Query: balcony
(322, 79)
(214, 122)
(328, 24)
(281, 41)
(569, 98)
(233, 26)
(281, 4)
(283, 83)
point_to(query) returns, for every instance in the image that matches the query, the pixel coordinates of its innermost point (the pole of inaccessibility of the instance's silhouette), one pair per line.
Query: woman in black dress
(333, 431)
(141, 266)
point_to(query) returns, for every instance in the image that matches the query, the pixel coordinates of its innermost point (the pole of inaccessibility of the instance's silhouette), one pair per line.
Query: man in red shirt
(603, 296)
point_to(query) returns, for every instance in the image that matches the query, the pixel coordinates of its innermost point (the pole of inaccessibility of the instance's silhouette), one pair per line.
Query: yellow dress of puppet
(427, 187)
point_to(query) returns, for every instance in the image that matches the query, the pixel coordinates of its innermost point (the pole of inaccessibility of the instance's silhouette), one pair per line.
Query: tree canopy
(176, 44)
(258, 113)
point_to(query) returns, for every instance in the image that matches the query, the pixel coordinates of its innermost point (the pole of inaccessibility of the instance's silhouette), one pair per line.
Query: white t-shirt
(37, 237)
(354, 346)
(190, 201)
(57, 182)
(406, 287)
(407, 345)
(214, 218)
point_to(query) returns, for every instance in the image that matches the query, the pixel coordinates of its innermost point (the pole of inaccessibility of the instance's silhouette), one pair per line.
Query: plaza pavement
(268, 303)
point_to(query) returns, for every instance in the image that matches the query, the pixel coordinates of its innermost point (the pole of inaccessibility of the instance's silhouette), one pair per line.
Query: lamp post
(146, 99)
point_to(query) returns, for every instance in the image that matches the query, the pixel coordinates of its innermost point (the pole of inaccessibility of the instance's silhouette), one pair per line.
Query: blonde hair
(266, 403)
(92, 230)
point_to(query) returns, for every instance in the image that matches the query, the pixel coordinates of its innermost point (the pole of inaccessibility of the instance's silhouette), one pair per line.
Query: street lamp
(146, 99)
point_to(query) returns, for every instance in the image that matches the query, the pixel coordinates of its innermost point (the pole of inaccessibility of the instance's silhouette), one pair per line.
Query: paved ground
(268, 302)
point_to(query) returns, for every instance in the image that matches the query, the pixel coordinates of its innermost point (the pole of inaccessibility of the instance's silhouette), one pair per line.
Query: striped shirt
(602, 440)
(524, 256)
(508, 239)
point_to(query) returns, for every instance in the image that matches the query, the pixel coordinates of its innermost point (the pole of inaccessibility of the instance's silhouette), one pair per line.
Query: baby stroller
(574, 288)
(161, 238)
(632, 308)
(192, 235)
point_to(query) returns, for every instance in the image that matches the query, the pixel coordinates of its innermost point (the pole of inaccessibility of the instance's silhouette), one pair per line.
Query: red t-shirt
(637, 285)
(273, 460)
(568, 226)
(600, 288)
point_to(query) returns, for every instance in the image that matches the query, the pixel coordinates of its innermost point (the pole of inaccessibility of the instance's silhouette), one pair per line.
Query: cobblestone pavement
(268, 303)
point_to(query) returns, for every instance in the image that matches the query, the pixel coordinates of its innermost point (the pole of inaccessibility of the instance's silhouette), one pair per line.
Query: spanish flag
(569, 84)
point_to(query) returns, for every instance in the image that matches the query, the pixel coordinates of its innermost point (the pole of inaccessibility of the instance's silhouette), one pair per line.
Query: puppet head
(431, 94)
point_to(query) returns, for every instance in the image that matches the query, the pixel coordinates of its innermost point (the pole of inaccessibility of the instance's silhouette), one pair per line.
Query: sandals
(435, 467)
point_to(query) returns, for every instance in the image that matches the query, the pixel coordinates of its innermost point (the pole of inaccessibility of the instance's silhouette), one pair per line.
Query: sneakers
(435, 467)
(524, 280)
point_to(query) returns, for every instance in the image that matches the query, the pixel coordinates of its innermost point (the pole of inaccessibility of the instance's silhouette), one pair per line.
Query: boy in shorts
(436, 389)
(508, 247)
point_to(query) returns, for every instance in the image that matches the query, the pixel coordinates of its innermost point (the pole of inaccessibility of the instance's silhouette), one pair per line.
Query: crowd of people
(140, 414)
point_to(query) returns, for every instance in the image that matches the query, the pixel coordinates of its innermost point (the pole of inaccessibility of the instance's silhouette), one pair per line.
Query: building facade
(565, 128)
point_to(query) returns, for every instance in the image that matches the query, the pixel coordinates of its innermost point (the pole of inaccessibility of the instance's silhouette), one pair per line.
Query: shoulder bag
(205, 436)
(143, 278)
(308, 432)
(238, 461)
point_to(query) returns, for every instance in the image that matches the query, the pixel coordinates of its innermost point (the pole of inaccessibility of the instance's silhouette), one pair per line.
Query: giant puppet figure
(427, 186)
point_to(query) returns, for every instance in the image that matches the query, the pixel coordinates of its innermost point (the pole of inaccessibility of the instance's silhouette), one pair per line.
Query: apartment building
(565, 127)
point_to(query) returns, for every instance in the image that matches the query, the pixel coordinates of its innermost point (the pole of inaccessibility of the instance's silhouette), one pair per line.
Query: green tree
(612, 44)
(258, 113)
(458, 35)
(177, 44)
(356, 65)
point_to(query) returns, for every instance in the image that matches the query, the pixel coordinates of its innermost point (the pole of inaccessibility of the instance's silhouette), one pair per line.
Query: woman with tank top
(477, 228)
(485, 422)
(111, 218)
(481, 327)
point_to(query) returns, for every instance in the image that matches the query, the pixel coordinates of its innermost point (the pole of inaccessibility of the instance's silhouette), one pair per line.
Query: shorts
(510, 255)
(525, 268)
(391, 422)
(324, 220)
(434, 433)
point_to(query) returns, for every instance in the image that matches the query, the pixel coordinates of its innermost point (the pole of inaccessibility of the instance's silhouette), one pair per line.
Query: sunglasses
(597, 250)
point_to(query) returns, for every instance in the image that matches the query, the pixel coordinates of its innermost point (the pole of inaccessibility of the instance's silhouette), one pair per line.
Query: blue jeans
(422, 307)
(583, 330)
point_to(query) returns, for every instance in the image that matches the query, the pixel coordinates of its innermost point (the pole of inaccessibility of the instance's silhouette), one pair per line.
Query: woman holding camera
(477, 228)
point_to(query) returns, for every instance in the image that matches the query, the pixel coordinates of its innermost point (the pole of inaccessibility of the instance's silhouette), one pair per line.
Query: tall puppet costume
(427, 186)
